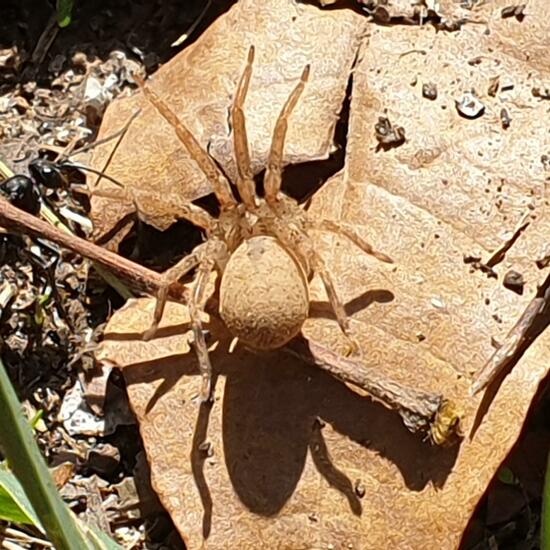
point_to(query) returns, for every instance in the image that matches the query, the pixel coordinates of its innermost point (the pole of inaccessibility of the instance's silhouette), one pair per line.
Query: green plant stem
(26, 461)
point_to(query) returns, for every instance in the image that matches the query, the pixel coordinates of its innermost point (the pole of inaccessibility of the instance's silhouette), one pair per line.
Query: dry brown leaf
(199, 84)
(287, 457)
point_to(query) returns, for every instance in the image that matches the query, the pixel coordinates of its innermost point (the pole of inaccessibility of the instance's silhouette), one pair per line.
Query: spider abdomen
(264, 298)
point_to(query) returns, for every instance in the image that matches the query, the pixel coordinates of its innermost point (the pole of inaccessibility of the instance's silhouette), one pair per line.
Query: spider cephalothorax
(261, 247)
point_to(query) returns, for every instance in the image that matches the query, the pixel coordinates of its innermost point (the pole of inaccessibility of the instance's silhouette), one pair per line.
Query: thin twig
(140, 277)
(179, 41)
(419, 410)
(51, 217)
(46, 40)
(106, 139)
(520, 334)
(498, 254)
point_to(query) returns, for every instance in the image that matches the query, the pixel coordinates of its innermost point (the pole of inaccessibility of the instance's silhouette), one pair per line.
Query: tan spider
(261, 247)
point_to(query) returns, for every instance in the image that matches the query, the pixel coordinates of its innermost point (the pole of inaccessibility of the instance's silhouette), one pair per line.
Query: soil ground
(56, 308)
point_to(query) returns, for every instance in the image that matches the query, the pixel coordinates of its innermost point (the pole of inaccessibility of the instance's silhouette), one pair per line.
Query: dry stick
(45, 41)
(50, 216)
(517, 336)
(417, 408)
(145, 279)
(498, 255)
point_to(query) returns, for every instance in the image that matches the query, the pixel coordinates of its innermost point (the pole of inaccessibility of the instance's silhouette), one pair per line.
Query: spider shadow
(276, 411)
(357, 304)
(169, 369)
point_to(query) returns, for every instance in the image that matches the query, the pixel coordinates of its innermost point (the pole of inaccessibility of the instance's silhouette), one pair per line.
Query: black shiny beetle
(24, 191)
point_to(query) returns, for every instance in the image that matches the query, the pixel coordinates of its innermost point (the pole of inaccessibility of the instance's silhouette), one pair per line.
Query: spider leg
(205, 257)
(170, 276)
(220, 184)
(274, 169)
(196, 305)
(299, 241)
(187, 211)
(245, 180)
(337, 306)
(199, 255)
(335, 227)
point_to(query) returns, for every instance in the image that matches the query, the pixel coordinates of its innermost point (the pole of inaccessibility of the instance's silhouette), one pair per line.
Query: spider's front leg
(274, 168)
(185, 210)
(219, 183)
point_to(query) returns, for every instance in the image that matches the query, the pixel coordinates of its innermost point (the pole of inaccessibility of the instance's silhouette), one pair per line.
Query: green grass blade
(24, 458)
(14, 504)
(64, 12)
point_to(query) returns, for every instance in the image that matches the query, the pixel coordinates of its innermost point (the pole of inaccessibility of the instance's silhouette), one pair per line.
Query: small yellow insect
(446, 425)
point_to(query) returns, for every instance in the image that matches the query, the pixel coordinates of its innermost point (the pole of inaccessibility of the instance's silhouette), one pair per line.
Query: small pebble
(206, 448)
(513, 280)
(505, 119)
(79, 59)
(387, 134)
(469, 106)
(544, 258)
(360, 489)
(429, 90)
(540, 92)
(495, 343)
(438, 303)
(516, 10)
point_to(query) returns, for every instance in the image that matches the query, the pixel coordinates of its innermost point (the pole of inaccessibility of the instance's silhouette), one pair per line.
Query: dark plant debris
(54, 86)
(387, 134)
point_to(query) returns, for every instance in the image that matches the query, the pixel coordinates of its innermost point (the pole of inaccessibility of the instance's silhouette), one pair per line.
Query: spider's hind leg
(336, 305)
(356, 239)
(196, 307)
(302, 244)
(205, 257)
